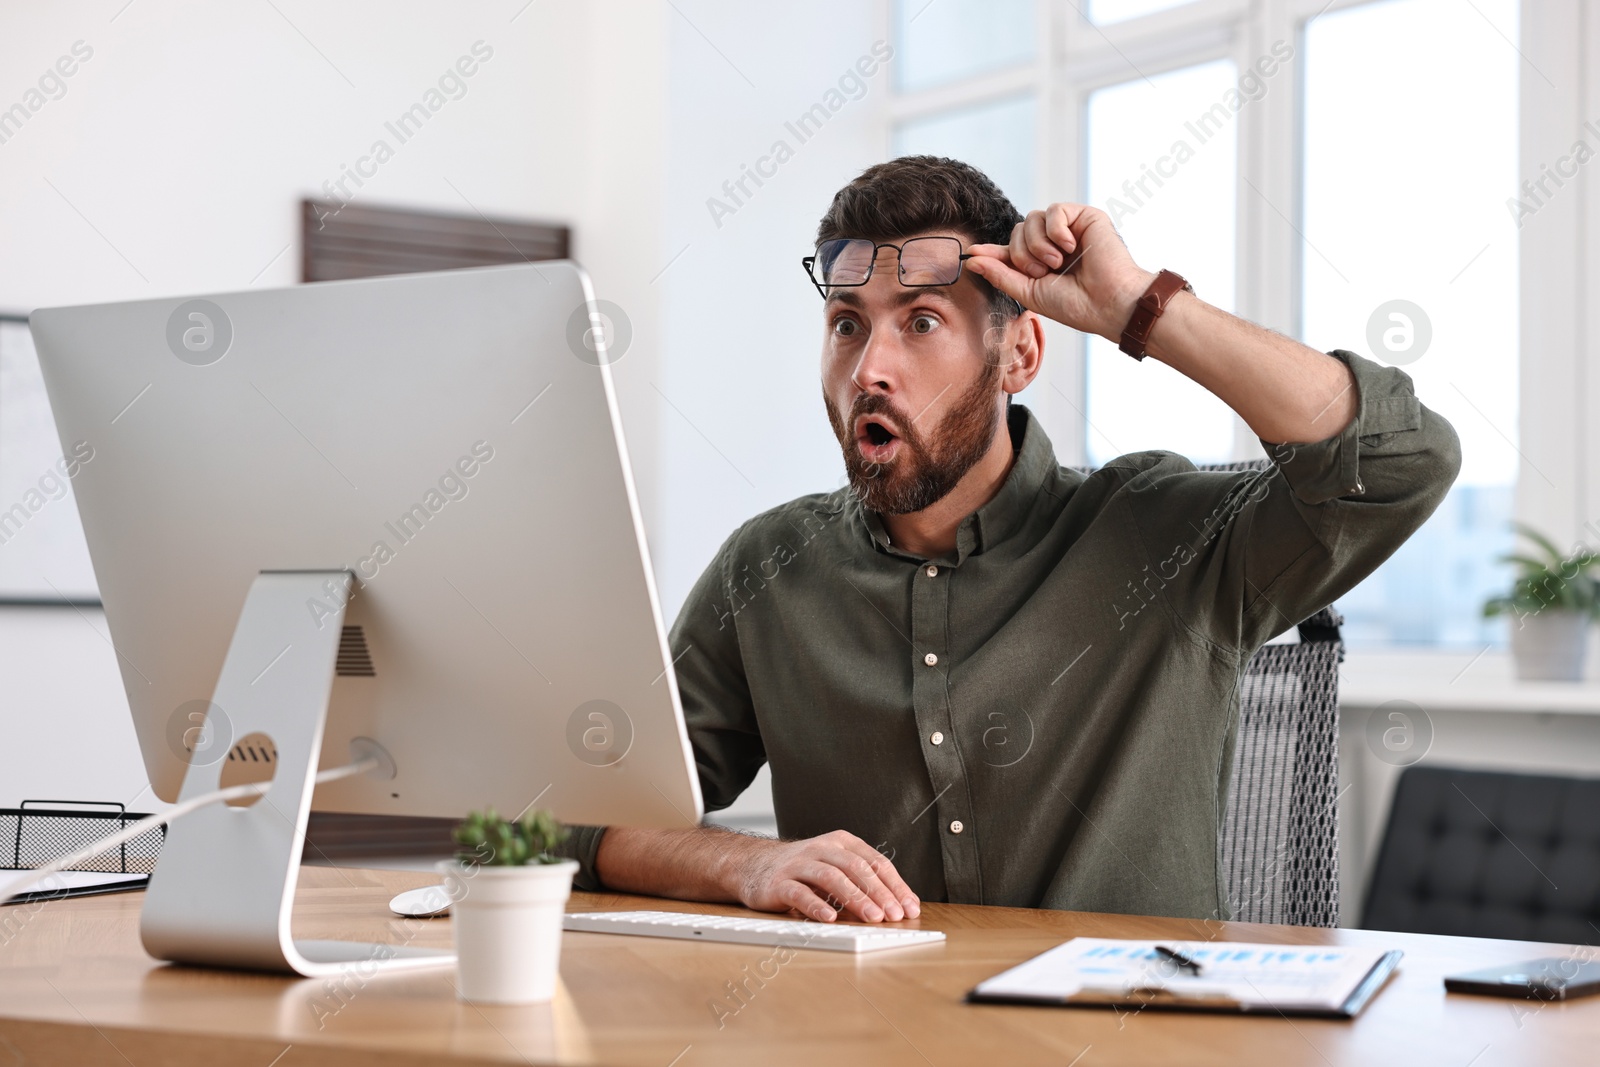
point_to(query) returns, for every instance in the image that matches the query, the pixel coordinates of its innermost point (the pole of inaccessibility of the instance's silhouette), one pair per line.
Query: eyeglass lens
(923, 261)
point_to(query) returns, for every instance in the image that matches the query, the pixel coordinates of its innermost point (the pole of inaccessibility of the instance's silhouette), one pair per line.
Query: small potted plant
(1550, 604)
(508, 892)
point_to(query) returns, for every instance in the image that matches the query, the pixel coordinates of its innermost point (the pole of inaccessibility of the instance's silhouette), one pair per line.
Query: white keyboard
(837, 937)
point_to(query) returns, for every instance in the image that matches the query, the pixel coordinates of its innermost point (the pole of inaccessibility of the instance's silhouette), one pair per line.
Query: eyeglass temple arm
(806, 262)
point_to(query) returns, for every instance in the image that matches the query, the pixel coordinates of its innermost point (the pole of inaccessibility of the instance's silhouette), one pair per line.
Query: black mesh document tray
(43, 830)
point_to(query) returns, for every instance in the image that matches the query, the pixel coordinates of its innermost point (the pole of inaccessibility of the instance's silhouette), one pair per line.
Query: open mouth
(875, 437)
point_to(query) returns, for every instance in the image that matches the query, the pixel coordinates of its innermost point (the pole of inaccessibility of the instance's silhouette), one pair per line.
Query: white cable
(349, 770)
(128, 833)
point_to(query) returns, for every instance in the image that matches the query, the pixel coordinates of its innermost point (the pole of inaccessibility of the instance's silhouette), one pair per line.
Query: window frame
(1560, 42)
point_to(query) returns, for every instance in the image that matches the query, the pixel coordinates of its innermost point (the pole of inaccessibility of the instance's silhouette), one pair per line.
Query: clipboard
(1321, 981)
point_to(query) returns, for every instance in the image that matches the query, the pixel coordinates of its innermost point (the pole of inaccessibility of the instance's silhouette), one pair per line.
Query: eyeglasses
(848, 261)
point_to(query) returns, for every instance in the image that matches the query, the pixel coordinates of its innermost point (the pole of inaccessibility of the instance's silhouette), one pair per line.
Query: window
(996, 137)
(992, 126)
(1105, 12)
(1427, 279)
(1373, 165)
(938, 41)
(1165, 169)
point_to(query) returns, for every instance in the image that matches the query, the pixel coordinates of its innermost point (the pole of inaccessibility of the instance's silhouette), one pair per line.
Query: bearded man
(867, 643)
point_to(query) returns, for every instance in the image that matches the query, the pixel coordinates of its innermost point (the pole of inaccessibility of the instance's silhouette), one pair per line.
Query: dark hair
(915, 194)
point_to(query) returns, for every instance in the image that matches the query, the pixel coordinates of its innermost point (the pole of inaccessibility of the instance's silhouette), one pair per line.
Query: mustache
(878, 404)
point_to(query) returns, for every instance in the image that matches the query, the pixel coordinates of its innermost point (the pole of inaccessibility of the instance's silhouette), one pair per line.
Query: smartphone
(1552, 978)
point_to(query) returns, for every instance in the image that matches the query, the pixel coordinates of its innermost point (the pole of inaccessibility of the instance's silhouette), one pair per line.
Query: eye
(845, 327)
(924, 324)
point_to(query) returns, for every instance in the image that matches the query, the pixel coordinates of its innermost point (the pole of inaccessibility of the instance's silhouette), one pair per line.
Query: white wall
(68, 735)
(177, 156)
(175, 160)
(745, 428)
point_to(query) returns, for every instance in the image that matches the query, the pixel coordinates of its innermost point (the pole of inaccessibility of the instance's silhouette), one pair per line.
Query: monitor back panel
(452, 440)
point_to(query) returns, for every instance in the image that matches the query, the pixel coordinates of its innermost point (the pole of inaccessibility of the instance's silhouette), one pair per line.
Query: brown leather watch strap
(1149, 308)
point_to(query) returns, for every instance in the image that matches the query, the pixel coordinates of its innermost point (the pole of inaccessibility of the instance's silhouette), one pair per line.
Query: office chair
(1279, 846)
(1490, 854)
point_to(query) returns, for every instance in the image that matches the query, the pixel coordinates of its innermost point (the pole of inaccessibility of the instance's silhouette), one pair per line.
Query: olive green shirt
(1045, 716)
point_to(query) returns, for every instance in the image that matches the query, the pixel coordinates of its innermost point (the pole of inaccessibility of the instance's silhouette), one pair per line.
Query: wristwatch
(1149, 308)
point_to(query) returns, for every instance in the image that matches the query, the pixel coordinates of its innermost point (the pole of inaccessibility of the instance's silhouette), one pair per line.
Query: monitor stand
(223, 888)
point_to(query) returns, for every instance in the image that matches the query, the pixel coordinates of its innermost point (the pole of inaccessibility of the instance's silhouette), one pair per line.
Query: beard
(926, 467)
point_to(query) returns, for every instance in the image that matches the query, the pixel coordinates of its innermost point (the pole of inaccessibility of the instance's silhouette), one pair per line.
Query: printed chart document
(1328, 980)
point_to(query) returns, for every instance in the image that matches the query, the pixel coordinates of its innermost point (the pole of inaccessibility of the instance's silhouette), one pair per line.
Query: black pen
(1180, 959)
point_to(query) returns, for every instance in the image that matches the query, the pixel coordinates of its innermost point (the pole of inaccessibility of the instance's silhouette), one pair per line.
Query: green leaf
(506, 843)
(1561, 582)
(1539, 539)
(1527, 563)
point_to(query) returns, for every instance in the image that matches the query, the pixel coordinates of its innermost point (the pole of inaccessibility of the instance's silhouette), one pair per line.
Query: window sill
(1458, 681)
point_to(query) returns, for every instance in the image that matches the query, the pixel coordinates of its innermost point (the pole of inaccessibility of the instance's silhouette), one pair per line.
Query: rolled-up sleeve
(1253, 553)
(583, 845)
(1333, 468)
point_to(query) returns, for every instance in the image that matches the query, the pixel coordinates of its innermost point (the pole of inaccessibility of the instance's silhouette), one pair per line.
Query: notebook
(1235, 976)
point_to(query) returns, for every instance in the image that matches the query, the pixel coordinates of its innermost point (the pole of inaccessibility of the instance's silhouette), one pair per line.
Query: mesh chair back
(1279, 846)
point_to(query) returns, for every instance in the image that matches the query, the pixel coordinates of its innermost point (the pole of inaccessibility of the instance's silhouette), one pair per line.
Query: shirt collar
(1005, 513)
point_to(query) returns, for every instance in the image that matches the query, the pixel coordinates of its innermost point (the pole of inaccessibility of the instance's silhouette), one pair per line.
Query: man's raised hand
(1067, 263)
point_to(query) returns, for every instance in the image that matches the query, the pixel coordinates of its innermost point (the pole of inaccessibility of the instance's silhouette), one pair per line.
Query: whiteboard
(43, 556)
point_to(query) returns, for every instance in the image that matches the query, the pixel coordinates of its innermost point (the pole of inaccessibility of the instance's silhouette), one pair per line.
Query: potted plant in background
(508, 893)
(1550, 604)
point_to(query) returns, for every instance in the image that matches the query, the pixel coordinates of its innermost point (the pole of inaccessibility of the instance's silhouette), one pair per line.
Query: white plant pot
(507, 927)
(1549, 646)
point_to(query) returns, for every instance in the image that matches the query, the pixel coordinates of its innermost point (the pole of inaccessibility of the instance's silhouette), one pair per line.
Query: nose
(879, 366)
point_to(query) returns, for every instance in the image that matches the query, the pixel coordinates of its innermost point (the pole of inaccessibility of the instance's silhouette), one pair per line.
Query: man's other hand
(817, 877)
(811, 875)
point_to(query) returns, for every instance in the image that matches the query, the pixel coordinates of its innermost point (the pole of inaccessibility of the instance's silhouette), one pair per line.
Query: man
(981, 677)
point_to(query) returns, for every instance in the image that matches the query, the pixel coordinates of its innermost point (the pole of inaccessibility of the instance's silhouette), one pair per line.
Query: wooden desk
(76, 988)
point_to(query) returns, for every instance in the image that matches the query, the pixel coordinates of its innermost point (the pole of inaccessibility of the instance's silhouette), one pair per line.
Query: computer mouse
(431, 901)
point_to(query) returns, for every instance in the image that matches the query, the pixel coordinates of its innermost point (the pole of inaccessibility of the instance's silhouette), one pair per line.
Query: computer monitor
(388, 516)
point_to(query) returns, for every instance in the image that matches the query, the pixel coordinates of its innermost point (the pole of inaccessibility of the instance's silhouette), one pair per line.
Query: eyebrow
(909, 294)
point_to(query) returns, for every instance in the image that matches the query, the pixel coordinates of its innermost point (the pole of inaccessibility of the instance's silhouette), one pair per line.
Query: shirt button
(937, 738)
(933, 572)
(930, 659)
(956, 827)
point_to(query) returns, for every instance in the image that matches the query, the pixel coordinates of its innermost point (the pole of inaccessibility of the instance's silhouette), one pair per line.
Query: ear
(1023, 348)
